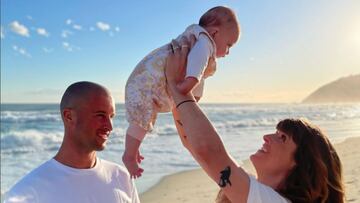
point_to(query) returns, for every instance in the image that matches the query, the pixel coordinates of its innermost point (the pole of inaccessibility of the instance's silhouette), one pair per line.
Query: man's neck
(74, 158)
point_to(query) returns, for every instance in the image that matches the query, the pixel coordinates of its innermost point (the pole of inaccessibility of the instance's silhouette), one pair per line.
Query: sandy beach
(195, 187)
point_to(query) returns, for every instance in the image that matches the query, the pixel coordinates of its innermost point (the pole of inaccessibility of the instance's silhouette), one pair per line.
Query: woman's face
(276, 157)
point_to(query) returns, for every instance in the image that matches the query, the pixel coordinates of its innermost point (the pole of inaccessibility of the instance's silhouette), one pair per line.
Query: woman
(297, 163)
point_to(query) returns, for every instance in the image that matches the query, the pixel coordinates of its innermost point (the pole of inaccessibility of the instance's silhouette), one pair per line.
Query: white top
(57, 183)
(260, 193)
(200, 54)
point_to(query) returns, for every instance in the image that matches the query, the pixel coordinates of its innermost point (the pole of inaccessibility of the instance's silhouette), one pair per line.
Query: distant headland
(345, 89)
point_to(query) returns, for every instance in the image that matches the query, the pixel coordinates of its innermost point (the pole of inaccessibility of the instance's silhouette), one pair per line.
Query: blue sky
(287, 48)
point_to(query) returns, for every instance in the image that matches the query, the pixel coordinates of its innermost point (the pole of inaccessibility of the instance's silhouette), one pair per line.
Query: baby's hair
(218, 15)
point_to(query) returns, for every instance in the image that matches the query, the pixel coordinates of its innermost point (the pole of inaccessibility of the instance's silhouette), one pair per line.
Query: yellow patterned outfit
(146, 93)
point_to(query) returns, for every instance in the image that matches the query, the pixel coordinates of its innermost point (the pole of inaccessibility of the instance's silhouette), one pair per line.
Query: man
(75, 174)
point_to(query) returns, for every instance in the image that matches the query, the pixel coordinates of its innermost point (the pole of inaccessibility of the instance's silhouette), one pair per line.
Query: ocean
(32, 133)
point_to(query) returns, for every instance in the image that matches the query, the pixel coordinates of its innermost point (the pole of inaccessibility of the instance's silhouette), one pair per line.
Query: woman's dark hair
(317, 175)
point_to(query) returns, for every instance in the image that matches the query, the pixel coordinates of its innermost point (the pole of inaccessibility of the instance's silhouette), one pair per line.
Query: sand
(196, 187)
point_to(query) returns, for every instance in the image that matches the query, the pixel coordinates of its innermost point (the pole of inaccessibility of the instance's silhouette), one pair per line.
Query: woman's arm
(202, 139)
(180, 129)
(187, 85)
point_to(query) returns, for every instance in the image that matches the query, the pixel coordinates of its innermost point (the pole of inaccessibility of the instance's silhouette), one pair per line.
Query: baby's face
(225, 38)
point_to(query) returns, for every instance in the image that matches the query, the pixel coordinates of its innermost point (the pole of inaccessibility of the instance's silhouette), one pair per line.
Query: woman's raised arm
(202, 139)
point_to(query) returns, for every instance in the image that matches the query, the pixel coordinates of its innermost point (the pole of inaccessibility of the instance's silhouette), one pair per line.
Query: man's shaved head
(80, 91)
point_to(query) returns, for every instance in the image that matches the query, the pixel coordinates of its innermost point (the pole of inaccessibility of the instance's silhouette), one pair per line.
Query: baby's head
(222, 24)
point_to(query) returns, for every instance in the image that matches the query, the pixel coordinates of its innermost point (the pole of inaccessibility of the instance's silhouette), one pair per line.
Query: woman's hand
(177, 59)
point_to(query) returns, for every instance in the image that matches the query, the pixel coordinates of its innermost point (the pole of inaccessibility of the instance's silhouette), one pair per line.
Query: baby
(146, 94)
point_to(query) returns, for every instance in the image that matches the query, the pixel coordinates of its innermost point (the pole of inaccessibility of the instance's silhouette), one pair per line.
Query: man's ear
(68, 115)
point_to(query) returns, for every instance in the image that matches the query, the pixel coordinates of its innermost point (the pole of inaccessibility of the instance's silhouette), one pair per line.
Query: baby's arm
(197, 61)
(187, 85)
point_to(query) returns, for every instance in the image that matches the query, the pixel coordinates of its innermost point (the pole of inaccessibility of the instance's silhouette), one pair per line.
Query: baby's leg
(131, 156)
(141, 115)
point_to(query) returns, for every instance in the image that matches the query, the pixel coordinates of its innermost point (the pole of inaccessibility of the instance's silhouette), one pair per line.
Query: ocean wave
(246, 123)
(29, 141)
(313, 112)
(168, 129)
(29, 116)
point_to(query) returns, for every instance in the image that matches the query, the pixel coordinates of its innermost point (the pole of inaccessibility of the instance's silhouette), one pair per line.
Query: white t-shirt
(57, 183)
(199, 56)
(203, 52)
(260, 193)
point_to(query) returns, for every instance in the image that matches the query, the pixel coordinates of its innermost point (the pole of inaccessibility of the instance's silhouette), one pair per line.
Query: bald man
(75, 174)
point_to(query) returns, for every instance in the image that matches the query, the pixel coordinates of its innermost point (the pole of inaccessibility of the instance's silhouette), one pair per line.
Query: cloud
(91, 28)
(46, 50)
(68, 47)
(117, 29)
(19, 29)
(103, 26)
(66, 33)
(43, 32)
(68, 21)
(77, 27)
(2, 33)
(21, 51)
(29, 17)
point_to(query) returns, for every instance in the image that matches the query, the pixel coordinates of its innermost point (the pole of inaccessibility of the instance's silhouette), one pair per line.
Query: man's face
(93, 122)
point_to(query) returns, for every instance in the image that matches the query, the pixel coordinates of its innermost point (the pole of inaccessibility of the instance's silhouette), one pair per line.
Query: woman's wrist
(185, 101)
(177, 95)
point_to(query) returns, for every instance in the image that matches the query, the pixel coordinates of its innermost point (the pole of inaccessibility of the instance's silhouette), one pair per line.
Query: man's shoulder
(36, 173)
(26, 186)
(109, 165)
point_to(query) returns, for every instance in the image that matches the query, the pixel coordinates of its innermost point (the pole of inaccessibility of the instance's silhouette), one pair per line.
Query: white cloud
(46, 50)
(66, 33)
(77, 27)
(103, 26)
(91, 28)
(19, 29)
(68, 47)
(68, 21)
(21, 51)
(2, 33)
(43, 32)
(117, 29)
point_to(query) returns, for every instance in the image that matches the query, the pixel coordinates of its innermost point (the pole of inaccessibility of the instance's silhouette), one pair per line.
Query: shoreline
(193, 186)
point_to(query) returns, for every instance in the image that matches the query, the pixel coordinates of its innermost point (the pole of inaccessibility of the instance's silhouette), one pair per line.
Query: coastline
(194, 186)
